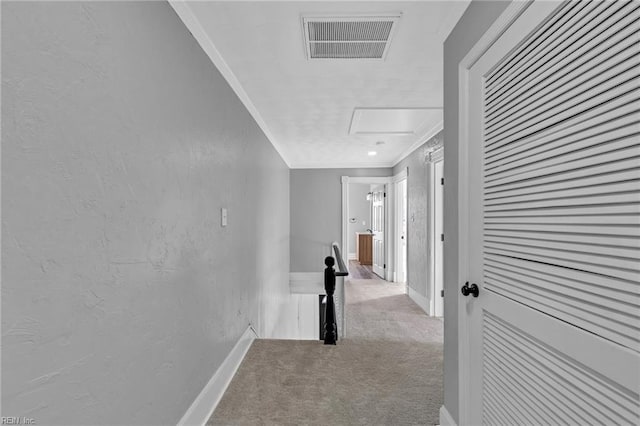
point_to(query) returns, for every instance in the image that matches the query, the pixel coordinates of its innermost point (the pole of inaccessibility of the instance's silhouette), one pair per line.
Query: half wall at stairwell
(122, 293)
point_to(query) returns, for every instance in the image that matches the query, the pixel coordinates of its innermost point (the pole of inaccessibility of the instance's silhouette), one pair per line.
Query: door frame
(434, 237)
(403, 175)
(508, 16)
(378, 237)
(388, 231)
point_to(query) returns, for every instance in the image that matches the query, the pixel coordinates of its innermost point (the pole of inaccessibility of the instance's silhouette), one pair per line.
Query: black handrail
(330, 329)
(342, 269)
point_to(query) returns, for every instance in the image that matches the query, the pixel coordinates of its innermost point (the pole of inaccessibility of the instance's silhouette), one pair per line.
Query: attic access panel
(393, 121)
(348, 37)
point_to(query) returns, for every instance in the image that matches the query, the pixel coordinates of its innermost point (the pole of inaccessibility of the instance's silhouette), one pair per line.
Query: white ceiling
(305, 107)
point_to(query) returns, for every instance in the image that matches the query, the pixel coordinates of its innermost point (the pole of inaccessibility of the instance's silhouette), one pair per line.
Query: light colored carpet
(387, 371)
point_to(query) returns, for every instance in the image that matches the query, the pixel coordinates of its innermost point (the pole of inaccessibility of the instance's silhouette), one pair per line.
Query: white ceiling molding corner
(346, 165)
(192, 23)
(427, 135)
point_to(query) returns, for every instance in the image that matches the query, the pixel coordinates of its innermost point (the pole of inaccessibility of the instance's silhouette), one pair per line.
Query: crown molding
(192, 23)
(336, 165)
(426, 136)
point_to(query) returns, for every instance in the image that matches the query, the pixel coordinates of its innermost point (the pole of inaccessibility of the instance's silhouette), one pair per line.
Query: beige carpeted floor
(387, 371)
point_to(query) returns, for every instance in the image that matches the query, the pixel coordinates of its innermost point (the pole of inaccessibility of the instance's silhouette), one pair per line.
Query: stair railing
(330, 274)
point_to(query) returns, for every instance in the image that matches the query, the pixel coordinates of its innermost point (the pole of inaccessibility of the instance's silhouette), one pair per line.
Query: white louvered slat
(560, 183)
(534, 49)
(582, 294)
(621, 159)
(536, 402)
(613, 325)
(494, 222)
(573, 392)
(543, 399)
(547, 100)
(619, 245)
(605, 118)
(566, 202)
(624, 291)
(629, 208)
(500, 391)
(582, 261)
(559, 228)
(609, 139)
(619, 85)
(575, 56)
(555, 108)
(546, 193)
(598, 388)
(622, 247)
(551, 98)
(552, 43)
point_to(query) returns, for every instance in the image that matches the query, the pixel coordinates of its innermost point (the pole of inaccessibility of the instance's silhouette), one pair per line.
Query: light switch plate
(223, 216)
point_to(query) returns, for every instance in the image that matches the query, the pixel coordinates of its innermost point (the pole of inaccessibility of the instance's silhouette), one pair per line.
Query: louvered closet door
(554, 163)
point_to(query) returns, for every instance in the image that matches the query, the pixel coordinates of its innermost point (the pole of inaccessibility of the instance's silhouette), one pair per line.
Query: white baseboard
(445, 417)
(206, 402)
(420, 300)
(351, 256)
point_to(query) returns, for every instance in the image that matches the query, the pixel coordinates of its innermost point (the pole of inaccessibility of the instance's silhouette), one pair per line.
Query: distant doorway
(382, 255)
(378, 198)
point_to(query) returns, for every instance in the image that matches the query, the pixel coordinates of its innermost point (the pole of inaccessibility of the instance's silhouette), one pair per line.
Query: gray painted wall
(359, 208)
(316, 213)
(418, 207)
(121, 292)
(476, 20)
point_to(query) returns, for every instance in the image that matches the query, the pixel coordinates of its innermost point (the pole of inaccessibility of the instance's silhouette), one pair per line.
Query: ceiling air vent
(348, 37)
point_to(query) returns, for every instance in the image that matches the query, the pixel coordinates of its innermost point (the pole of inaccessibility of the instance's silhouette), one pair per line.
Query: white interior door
(554, 208)
(401, 235)
(377, 222)
(438, 240)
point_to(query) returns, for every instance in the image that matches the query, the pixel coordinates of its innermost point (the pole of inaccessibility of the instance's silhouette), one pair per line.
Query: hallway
(387, 371)
(358, 271)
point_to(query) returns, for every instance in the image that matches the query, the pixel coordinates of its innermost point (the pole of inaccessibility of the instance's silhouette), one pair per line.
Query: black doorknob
(467, 290)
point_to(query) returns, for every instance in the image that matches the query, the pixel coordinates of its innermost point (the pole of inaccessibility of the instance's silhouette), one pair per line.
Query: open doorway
(376, 235)
(359, 231)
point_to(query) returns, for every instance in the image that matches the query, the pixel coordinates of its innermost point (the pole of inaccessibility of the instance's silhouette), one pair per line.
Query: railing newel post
(330, 335)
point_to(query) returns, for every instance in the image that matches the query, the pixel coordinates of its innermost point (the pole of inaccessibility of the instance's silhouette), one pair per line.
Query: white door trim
(503, 22)
(402, 175)
(435, 239)
(346, 180)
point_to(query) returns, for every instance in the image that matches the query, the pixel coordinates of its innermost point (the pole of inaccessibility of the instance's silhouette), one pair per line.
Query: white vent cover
(348, 37)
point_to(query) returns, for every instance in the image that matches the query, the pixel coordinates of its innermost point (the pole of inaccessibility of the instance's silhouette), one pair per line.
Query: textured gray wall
(316, 213)
(474, 23)
(121, 292)
(360, 208)
(418, 205)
